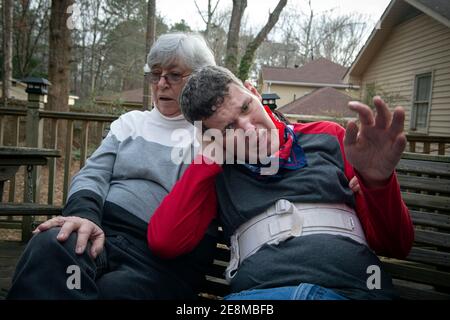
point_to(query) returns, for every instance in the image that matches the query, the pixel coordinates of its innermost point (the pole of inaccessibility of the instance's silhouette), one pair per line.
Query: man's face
(244, 122)
(167, 83)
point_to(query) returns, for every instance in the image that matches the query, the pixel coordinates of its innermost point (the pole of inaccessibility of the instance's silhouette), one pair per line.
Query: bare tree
(305, 35)
(341, 37)
(149, 40)
(7, 49)
(59, 55)
(30, 42)
(241, 67)
(209, 15)
(249, 56)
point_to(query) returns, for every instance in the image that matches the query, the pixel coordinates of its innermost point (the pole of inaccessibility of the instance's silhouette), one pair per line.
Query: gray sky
(257, 10)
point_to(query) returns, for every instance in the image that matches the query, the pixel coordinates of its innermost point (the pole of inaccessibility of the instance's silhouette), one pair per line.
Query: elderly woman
(98, 249)
(296, 230)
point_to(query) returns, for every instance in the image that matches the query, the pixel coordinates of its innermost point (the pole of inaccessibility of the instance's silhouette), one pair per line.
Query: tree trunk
(7, 49)
(94, 51)
(249, 56)
(231, 58)
(59, 59)
(149, 40)
(59, 56)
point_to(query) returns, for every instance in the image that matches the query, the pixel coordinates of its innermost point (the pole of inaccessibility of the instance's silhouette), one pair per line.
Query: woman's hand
(86, 231)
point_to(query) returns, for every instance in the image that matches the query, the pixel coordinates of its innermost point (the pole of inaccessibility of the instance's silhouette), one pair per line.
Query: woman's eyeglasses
(171, 78)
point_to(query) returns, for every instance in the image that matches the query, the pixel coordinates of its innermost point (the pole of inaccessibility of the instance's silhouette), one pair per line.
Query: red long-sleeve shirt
(182, 219)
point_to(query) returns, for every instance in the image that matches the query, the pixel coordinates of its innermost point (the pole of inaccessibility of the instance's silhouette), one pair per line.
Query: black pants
(121, 271)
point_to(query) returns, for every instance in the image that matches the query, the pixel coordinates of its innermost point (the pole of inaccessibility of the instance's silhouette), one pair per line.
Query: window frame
(413, 119)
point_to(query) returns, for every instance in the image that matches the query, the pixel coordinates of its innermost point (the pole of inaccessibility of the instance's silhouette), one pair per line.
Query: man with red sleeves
(299, 232)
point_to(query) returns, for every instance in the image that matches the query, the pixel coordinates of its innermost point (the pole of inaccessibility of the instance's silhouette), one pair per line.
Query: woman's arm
(182, 218)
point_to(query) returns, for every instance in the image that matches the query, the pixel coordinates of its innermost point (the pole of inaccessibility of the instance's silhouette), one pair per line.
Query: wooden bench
(11, 158)
(425, 274)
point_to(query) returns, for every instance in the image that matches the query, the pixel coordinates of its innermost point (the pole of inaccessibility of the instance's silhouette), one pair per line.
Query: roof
(270, 96)
(322, 102)
(438, 9)
(397, 12)
(36, 80)
(320, 71)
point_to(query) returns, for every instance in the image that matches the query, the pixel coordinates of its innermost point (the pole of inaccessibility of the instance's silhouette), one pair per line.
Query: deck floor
(10, 252)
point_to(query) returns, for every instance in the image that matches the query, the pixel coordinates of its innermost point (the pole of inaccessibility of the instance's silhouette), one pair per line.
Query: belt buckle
(284, 206)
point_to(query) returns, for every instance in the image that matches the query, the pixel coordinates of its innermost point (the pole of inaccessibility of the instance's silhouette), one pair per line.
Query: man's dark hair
(205, 91)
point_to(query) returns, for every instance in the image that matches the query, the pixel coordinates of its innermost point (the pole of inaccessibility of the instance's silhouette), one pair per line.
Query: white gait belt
(285, 220)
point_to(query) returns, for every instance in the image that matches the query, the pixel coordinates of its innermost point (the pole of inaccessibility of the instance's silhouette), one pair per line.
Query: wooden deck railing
(29, 126)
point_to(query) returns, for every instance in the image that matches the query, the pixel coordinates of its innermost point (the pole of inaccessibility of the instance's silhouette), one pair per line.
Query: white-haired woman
(113, 197)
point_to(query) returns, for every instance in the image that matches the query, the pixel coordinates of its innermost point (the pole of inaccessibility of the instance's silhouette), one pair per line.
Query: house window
(421, 102)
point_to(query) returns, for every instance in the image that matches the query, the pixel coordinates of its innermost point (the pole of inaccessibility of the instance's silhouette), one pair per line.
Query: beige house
(293, 83)
(407, 61)
(17, 92)
(130, 99)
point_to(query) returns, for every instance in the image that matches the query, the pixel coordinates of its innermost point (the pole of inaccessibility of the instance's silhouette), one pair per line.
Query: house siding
(416, 46)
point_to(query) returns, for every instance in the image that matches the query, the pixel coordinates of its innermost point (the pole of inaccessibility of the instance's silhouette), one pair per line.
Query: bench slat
(222, 254)
(432, 237)
(409, 291)
(28, 209)
(433, 257)
(424, 183)
(14, 225)
(406, 271)
(424, 167)
(426, 201)
(215, 286)
(430, 219)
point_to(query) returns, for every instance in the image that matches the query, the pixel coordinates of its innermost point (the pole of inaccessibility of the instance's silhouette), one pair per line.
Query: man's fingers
(364, 112)
(97, 245)
(67, 228)
(351, 133)
(84, 233)
(399, 144)
(398, 121)
(384, 116)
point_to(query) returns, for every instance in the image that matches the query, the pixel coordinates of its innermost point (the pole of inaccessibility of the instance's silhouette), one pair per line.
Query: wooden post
(67, 159)
(441, 150)
(426, 148)
(12, 181)
(52, 161)
(2, 129)
(84, 143)
(34, 135)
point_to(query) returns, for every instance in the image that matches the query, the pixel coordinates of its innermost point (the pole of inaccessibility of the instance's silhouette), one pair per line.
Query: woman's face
(167, 83)
(240, 116)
